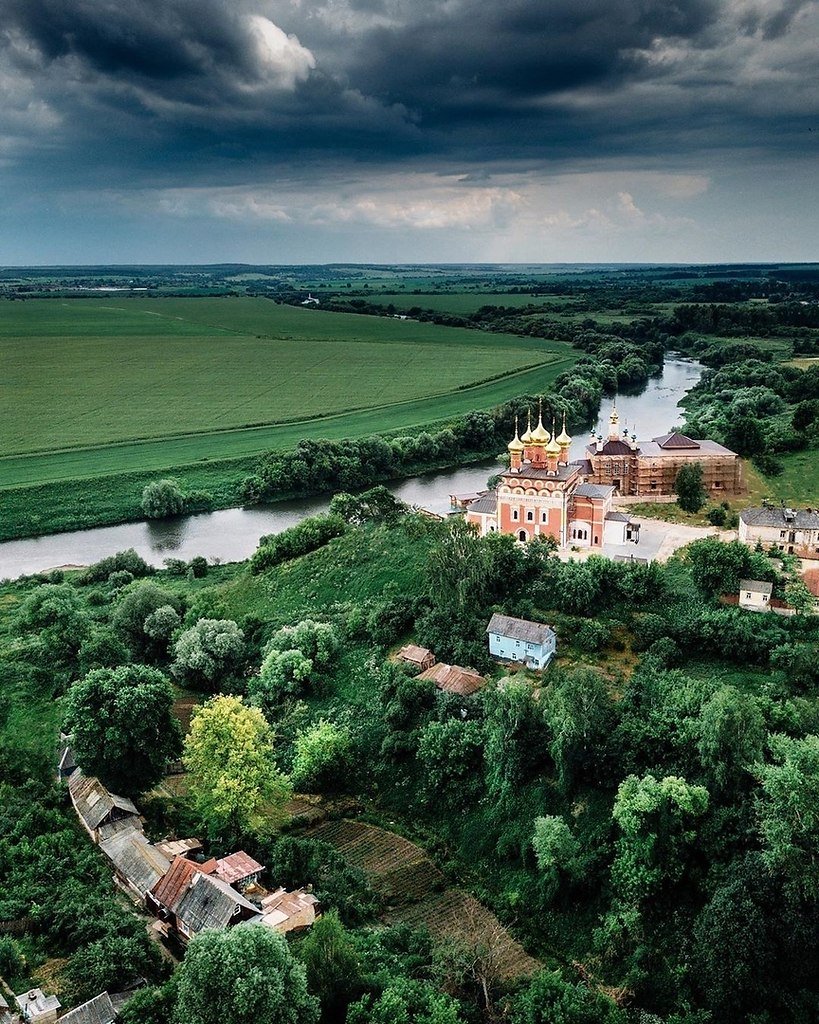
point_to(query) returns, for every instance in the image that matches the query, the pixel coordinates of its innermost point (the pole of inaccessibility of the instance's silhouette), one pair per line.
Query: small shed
(239, 869)
(511, 639)
(38, 1008)
(285, 911)
(99, 1010)
(755, 595)
(416, 657)
(455, 679)
(172, 848)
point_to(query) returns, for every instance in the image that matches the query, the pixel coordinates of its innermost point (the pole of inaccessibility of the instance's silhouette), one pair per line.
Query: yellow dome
(563, 438)
(540, 435)
(515, 445)
(553, 447)
(526, 437)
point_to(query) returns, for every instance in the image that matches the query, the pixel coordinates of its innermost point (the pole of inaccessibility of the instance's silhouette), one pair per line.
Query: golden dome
(515, 445)
(553, 447)
(563, 438)
(526, 437)
(540, 435)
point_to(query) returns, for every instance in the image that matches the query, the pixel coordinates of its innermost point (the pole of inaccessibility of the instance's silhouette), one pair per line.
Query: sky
(316, 131)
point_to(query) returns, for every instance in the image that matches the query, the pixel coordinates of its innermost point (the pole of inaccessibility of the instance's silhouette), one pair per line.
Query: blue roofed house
(531, 643)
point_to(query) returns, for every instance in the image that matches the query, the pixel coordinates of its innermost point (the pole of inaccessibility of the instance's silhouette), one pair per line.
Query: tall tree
(732, 735)
(689, 489)
(235, 783)
(208, 654)
(244, 976)
(123, 727)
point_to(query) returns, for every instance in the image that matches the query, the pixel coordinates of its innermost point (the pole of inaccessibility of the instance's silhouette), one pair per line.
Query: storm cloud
(415, 115)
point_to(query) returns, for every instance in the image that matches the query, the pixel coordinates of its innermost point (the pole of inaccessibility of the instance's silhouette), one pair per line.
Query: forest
(642, 817)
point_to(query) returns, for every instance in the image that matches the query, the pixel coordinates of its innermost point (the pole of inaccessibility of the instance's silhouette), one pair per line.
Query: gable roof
(612, 448)
(170, 889)
(520, 629)
(487, 504)
(756, 586)
(93, 803)
(454, 679)
(99, 1010)
(139, 863)
(237, 866)
(676, 440)
(209, 902)
(415, 654)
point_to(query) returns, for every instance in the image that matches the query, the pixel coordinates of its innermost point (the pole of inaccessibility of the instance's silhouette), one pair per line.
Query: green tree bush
(209, 655)
(162, 499)
(689, 488)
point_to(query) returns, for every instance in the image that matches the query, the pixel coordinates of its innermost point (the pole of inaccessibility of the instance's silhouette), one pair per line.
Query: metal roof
(593, 490)
(801, 519)
(454, 679)
(139, 863)
(676, 440)
(237, 866)
(520, 629)
(487, 504)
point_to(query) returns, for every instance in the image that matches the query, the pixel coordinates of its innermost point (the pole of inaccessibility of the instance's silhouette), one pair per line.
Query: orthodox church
(543, 494)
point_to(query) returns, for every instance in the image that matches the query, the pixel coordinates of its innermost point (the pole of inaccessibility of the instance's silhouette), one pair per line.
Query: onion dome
(515, 445)
(526, 437)
(540, 435)
(563, 438)
(553, 447)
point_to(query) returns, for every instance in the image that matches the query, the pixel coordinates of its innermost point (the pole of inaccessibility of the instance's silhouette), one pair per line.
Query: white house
(511, 639)
(755, 595)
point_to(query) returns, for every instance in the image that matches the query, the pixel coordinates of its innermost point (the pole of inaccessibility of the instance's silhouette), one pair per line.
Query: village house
(794, 531)
(511, 639)
(755, 595)
(99, 1010)
(96, 807)
(454, 679)
(285, 911)
(208, 902)
(239, 870)
(416, 657)
(38, 1008)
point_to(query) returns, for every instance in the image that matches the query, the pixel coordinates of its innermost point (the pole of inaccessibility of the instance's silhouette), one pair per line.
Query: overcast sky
(292, 131)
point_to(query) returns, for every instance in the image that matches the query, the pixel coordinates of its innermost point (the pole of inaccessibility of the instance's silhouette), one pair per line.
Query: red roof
(170, 888)
(237, 866)
(454, 679)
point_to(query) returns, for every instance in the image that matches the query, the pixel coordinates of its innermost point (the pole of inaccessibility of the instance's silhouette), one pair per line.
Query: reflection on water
(233, 534)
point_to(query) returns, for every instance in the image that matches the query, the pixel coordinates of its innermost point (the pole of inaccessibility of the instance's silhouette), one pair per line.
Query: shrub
(323, 757)
(208, 652)
(298, 540)
(162, 498)
(122, 561)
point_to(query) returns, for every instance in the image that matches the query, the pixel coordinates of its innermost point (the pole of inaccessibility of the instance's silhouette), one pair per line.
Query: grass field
(91, 372)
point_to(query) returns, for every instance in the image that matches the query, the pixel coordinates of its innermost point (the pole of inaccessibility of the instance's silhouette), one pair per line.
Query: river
(233, 534)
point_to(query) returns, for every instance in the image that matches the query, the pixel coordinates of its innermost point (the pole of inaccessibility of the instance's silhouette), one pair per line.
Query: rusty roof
(454, 678)
(93, 802)
(411, 652)
(237, 866)
(168, 891)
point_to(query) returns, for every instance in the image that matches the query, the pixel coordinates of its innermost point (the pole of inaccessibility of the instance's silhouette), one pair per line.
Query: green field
(91, 372)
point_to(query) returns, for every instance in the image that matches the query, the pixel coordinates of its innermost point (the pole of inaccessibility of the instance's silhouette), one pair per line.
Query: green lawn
(102, 371)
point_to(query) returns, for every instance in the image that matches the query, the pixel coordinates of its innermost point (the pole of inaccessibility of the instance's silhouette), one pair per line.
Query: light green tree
(234, 781)
(323, 757)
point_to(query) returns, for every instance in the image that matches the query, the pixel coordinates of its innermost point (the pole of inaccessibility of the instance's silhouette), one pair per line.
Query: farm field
(91, 372)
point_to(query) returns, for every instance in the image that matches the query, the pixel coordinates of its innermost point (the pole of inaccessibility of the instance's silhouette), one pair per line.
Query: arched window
(522, 535)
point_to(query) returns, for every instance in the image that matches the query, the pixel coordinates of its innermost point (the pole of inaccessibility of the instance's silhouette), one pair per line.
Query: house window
(514, 515)
(522, 535)
(748, 596)
(530, 516)
(782, 534)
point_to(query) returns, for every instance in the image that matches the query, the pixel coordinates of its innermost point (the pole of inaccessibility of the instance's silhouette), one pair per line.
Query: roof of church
(676, 440)
(593, 490)
(486, 503)
(612, 448)
(530, 472)
(656, 448)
